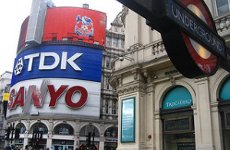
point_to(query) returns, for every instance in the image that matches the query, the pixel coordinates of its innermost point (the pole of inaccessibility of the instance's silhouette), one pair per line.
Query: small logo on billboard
(84, 26)
(18, 67)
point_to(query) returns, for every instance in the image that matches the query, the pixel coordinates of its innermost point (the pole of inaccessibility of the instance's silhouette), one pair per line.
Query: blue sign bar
(58, 61)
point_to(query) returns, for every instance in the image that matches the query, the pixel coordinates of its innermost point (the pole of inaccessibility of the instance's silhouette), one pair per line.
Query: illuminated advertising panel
(55, 96)
(56, 79)
(128, 120)
(75, 24)
(58, 61)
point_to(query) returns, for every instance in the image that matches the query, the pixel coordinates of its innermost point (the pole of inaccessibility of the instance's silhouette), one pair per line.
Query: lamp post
(11, 132)
(89, 146)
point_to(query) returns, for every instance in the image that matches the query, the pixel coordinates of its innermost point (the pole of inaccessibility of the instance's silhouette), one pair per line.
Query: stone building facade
(166, 110)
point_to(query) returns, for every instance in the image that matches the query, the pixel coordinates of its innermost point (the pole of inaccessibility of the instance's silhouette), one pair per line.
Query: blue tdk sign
(58, 61)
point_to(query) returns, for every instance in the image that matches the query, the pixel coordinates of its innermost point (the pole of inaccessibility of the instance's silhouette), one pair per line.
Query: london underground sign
(188, 32)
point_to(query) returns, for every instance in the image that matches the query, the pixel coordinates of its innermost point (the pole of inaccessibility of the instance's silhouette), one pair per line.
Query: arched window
(39, 127)
(111, 132)
(225, 91)
(22, 128)
(177, 119)
(89, 129)
(177, 97)
(224, 107)
(63, 129)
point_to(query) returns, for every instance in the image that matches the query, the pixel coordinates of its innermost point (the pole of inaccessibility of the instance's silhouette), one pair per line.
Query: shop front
(177, 120)
(37, 131)
(62, 145)
(20, 141)
(224, 108)
(111, 138)
(63, 131)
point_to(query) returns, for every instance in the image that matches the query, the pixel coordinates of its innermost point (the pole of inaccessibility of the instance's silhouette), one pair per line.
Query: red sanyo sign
(36, 96)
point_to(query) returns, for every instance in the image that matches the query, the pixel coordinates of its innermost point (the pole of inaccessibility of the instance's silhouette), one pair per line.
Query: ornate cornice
(131, 88)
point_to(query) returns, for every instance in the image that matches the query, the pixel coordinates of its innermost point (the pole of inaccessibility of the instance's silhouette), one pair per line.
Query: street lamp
(89, 146)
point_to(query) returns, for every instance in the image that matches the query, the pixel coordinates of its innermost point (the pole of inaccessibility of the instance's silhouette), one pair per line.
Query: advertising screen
(128, 120)
(58, 61)
(50, 97)
(56, 79)
(71, 23)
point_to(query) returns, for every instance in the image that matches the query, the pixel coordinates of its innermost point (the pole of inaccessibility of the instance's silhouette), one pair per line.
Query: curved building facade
(159, 109)
(55, 98)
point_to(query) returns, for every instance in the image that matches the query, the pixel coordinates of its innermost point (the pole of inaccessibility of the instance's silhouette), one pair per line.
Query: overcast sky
(13, 13)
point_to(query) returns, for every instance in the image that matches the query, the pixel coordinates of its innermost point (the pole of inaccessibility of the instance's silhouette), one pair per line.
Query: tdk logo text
(47, 61)
(58, 61)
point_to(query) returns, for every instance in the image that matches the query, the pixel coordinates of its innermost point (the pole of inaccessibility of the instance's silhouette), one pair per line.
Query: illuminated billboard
(71, 23)
(67, 23)
(58, 61)
(56, 79)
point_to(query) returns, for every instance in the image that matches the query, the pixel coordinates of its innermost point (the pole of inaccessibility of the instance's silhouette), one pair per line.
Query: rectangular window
(227, 115)
(115, 43)
(108, 42)
(222, 7)
(114, 108)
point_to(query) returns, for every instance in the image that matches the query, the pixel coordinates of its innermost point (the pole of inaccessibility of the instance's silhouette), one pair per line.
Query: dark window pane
(222, 7)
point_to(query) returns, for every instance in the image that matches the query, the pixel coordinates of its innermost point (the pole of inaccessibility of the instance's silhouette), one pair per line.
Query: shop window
(63, 129)
(222, 7)
(89, 129)
(111, 132)
(22, 128)
(224, 91)
(178, 97)
(177, 120)
(224, 107)
(39, 127)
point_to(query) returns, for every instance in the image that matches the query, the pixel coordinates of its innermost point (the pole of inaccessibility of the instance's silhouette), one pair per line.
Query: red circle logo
(204, 59)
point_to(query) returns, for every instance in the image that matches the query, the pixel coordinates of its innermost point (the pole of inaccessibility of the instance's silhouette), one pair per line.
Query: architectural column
(158, 131)
(217, 126)
(110, 107)
(49, 140)
(49, 135)
(202, 117)
(150, 109)
(76, 141)
(101, 138)
(140, 119)
(26, 134)
(102, 142)
(77, 134)
(26, 139)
